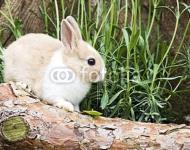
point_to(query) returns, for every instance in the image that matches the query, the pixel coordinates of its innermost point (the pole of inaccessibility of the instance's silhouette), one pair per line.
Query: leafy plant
(139, 80)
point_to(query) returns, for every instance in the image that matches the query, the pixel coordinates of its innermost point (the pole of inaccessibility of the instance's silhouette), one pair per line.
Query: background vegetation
(142, 72)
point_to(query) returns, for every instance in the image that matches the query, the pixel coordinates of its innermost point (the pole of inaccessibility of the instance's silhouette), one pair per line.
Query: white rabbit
(60, 72)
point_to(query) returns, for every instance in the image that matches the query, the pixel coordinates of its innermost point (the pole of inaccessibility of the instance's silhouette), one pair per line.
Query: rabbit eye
(91, 61)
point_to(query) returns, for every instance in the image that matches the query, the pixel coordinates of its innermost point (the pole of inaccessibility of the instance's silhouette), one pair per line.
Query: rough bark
(42, 126)
(28, 11)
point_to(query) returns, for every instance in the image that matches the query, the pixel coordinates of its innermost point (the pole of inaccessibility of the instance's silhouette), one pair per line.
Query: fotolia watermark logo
(66, 75)
(62, 75)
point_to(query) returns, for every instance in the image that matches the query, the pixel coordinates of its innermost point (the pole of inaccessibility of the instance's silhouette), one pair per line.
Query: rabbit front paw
(65, 105)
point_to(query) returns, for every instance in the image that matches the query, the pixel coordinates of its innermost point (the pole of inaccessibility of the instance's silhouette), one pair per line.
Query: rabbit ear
(75, 26)
(68, 35)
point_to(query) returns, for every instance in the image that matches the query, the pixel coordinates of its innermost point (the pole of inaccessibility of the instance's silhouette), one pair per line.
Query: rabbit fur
(32, 59)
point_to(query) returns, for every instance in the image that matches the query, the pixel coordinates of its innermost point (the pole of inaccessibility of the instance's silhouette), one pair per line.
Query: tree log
(28, 123)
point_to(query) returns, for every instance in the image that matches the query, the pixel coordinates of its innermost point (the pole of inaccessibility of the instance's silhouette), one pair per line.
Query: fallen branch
(27, 123)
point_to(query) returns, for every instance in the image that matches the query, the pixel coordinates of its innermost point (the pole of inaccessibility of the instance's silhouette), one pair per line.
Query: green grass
(140, 73)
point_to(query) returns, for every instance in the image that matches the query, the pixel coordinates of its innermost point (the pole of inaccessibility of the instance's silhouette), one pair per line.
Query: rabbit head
(81, 57)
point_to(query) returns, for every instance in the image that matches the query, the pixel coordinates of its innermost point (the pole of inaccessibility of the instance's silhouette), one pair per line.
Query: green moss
(15, 129)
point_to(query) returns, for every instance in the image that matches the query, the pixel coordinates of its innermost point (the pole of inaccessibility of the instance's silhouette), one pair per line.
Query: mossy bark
(14, 129)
